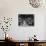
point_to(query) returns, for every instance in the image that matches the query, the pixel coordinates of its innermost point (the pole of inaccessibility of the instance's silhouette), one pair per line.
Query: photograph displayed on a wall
(26, 19)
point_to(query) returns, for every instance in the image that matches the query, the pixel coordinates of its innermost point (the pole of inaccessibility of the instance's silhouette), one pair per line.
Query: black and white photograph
(26, 19)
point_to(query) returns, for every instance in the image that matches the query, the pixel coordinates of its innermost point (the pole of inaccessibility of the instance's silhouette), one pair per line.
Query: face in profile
(30, 21)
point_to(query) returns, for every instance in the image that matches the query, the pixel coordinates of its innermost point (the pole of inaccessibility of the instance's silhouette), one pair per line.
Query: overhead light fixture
(36, 3)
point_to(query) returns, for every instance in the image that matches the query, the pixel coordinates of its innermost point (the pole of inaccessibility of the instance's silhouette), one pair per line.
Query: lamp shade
(36, 3)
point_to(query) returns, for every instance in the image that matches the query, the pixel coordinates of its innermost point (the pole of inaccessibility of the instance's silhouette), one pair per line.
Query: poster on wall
(25, 19)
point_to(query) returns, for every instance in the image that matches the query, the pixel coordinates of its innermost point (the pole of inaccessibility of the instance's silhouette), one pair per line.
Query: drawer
(25, 44)
(21, 44)
(42, 44)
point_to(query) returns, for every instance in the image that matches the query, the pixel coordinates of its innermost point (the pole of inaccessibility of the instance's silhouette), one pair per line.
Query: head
(34, 35)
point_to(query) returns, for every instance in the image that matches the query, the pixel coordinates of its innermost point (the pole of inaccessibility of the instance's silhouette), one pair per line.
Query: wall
(11, 8)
